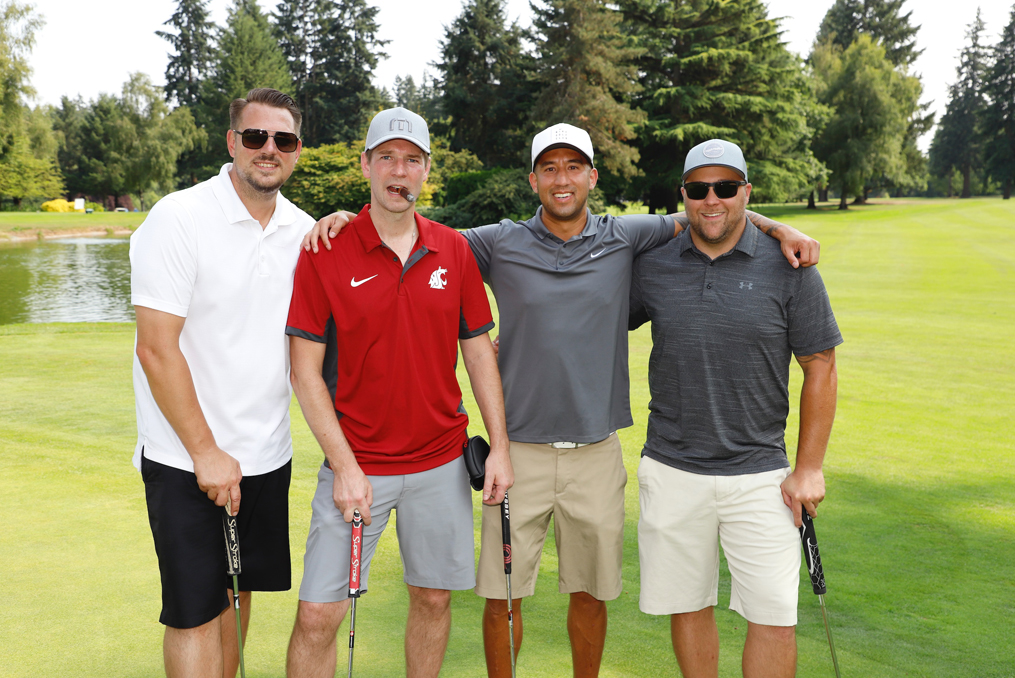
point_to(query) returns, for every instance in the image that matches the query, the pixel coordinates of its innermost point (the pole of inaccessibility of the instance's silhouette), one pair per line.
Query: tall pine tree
(192, 43)
(482, 78)
(957, 142)
(998, 121)
(881, 19)
(332, 49)
(587, 75)
(249, 56)
(720, 69)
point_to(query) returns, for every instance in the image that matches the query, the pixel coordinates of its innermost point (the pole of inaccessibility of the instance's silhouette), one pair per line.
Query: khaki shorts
(682, 514)
(583, 490)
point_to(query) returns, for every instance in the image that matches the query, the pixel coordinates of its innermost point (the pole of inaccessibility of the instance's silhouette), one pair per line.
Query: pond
(66, 280)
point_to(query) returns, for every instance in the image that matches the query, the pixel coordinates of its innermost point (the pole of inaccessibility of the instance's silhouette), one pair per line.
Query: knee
(498, 609)
(320, 621)
(776, 635)
(586, 602)
(433, 601)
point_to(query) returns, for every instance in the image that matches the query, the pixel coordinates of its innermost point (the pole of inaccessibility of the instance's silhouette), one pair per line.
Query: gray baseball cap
(398, 123)
(715, 152)
(561, 135)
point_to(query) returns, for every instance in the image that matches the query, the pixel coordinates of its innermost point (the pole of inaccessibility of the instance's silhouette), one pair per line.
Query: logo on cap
(713, 150)
(400, 125)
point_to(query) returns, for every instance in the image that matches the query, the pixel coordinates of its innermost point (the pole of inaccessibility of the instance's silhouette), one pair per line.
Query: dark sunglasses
(257, 138)
(698, 190)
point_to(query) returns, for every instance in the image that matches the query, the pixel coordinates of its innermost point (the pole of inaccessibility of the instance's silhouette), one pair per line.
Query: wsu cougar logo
(437, 279)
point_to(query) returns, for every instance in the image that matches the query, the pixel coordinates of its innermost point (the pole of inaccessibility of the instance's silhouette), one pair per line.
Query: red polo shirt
(395, 333)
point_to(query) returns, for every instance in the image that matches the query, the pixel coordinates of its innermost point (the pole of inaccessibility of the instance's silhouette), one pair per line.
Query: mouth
(267, 165)
(401, 191)
(711, 215)
(562, 195)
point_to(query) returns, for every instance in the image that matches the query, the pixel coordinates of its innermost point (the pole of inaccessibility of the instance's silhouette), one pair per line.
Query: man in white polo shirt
(211, 279)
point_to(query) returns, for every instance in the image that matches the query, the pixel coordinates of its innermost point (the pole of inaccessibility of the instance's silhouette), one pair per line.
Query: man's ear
(532, 182)
(364, 163)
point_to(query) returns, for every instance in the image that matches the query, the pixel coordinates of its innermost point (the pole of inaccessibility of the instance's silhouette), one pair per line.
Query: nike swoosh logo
(357, 283)
(598, 253)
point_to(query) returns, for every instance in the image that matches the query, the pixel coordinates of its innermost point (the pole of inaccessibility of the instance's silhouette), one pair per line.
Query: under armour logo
(746, 285)
(400, 125)
(437, 279)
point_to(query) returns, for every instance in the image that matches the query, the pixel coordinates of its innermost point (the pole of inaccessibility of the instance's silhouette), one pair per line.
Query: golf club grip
(232, 543)
(505, 528)
(810, 543)
(355, 553)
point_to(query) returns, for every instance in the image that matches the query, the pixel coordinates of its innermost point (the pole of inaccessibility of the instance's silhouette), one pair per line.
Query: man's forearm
(316, 404)
(817, 408)
(768, 226)
(481, 365)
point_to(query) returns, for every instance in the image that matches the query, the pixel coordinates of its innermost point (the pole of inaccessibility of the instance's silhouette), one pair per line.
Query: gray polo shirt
(563, 319)
(723, 332)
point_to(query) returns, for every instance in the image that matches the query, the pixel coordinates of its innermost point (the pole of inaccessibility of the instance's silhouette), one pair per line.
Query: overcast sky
(88, 48)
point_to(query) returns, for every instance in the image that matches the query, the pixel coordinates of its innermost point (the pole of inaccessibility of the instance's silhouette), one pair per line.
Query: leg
(586, 627)
(312, 647)
(426, 631)
(193, 653)
(230, 651)
(696, 643)
(495, 636)
(770, 651)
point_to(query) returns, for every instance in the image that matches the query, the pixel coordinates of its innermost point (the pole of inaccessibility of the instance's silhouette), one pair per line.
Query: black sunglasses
(698, 190)
(257, 138)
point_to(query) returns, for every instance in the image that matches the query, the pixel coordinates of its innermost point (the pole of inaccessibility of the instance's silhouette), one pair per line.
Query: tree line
(649, 79)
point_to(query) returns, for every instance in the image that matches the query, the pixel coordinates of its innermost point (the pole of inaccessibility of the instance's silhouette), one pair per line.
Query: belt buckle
(565, 445)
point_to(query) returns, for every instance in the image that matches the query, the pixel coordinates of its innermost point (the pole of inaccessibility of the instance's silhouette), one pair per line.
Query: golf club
(505, 525)
(355, 554)
(810, 542)
(233, 568)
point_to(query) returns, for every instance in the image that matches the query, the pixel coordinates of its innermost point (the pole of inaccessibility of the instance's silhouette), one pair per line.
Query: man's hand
(806, 488)
(325, 229)
(500, 476)
(799, 249)
(219, 475)
(352, 490)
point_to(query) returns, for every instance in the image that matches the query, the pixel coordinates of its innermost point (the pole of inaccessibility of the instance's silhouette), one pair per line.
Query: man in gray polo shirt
(562, 280)
(727, 313)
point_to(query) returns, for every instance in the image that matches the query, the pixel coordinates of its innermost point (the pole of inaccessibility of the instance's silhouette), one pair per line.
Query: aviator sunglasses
(257, 138)
(698, 190)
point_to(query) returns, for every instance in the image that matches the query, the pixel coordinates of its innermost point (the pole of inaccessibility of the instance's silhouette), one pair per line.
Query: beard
(729, 225)
(259, 184)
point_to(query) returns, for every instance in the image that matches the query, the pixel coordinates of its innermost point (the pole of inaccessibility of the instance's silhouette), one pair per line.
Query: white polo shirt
(201, 256)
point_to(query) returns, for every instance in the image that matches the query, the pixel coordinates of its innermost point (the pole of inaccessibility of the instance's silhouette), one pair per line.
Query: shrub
(57, 205)
(328, 178)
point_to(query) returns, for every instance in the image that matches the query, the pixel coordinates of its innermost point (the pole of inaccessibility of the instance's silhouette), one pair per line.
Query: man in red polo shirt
(375, 325)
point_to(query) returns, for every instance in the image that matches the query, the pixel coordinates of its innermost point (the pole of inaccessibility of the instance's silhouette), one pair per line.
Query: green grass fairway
(34, 224)
(917, 532)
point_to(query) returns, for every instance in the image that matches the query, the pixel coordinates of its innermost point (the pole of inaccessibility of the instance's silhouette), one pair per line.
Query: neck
(392, 225)
(565, 229)
(716, 249)
(260, 205)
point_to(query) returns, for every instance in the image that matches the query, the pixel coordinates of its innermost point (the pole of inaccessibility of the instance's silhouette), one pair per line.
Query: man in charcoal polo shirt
(383, 314)
(211, 279)
(727, 313)
(561, 280)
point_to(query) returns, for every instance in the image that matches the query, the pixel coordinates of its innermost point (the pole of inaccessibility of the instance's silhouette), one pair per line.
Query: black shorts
(190, 543)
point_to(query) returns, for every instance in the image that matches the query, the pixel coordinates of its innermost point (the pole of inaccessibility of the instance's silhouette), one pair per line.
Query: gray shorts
(434, 527)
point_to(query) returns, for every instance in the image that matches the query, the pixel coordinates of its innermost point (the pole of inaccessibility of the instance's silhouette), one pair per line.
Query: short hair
(268, 97)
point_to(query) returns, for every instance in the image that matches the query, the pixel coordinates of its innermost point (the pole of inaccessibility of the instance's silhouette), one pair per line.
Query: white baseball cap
(398, 123)
(561, 135)
(715, 152)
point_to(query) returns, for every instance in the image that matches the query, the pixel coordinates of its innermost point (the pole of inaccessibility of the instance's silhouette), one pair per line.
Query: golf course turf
(917, 532)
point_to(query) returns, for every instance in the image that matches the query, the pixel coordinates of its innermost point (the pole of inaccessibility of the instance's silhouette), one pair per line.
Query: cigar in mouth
(404, 192)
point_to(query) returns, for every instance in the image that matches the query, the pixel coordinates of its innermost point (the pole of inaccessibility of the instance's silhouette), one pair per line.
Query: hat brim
(406, 137)
(553, 147)
(715, 164)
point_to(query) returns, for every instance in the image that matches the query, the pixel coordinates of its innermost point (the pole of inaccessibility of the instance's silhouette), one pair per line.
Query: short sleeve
(645, 231)
(481, 240)
(812, 326)
(309, 309)
(475, 317)
(163, 259)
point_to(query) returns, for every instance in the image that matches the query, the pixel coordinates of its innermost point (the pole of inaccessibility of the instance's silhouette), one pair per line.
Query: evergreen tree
(957, 143)
(587, 76)
(483, 82)
(998, 120)
(881, 19)
(719, 69)
(249, 56)
(864, 137)
(332, 50)
(193, 52)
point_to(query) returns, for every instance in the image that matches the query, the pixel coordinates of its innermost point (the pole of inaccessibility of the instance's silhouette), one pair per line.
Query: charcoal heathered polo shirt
(723, 333)
(563, 318)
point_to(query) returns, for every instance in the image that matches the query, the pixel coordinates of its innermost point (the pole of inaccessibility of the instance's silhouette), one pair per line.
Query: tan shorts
(684, 516)
(583, 490)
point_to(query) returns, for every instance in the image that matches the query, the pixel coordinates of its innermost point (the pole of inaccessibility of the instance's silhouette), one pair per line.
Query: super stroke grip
(505, 528)
(810, 542)
(232, 544)
(356, 553)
